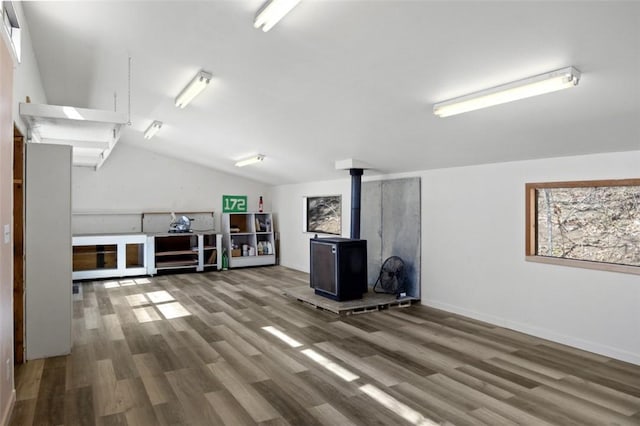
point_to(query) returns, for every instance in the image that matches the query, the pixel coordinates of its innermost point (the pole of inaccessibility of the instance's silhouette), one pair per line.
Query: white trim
(586, 264)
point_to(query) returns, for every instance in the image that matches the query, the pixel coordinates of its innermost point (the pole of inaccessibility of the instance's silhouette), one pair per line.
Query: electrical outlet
(7, 375)
(7, 234)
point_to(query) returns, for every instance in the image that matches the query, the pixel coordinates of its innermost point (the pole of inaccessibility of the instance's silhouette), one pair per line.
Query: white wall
(473, 253)
(134, 180)
(26, 80)
(473, 257)
(288, 208)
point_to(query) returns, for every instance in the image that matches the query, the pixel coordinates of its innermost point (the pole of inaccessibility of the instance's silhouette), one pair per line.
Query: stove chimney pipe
(356, 184)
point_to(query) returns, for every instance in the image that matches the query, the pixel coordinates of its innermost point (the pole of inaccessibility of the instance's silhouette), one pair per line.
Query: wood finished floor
(130, 365)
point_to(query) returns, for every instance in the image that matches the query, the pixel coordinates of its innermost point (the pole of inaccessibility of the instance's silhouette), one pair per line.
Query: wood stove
(339, 268)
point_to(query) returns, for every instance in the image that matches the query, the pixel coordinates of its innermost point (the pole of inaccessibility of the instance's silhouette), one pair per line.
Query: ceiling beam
(72, 113)
(78, 143)
(107, 152)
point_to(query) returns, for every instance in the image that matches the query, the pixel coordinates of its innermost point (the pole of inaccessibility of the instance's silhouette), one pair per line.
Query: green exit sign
(234, 204)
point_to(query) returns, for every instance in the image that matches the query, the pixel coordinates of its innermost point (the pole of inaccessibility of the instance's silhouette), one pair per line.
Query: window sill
(635, 270)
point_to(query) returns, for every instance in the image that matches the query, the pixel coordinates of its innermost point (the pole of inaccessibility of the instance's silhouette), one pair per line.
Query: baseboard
(586, 345)
(6, 414)
(300, 268)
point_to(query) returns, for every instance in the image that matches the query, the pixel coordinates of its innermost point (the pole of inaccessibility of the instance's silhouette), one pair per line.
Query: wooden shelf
(175, 263)
(94, 253)
(176, 252)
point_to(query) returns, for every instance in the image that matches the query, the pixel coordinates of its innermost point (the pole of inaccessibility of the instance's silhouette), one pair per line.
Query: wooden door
(18, 246)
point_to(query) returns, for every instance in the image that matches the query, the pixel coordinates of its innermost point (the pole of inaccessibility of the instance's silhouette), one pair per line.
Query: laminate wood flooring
(229, 348)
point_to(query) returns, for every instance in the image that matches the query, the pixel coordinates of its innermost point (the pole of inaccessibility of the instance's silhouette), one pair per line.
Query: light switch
(7, 234)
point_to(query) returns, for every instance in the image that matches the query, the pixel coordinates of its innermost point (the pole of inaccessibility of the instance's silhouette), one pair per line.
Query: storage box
(236, 253)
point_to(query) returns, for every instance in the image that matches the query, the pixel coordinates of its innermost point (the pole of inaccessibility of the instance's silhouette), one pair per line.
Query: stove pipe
(356, 184)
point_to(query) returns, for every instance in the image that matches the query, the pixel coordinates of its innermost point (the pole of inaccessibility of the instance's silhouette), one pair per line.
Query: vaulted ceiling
(346, 79)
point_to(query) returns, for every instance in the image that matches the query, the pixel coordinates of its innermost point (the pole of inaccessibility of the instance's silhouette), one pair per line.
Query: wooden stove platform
(370, 301)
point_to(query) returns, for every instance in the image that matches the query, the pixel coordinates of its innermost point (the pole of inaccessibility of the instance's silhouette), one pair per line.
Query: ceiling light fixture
(152, 129)
(193, 89)
(272, 12)
(537, 85)
(251, 160)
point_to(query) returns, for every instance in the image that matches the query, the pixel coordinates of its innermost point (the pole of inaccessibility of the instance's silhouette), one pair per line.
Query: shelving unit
(251, 230)
(168, 251)
(211, 250)
(104, 256)
(175, 251)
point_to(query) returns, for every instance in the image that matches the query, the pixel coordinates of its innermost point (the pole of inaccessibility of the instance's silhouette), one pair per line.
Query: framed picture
(323, 214)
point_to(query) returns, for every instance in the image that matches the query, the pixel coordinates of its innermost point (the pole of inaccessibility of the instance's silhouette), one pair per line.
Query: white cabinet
(183, 250)
(248, 239)
(48, 250)
(120, 255)
(111, 255)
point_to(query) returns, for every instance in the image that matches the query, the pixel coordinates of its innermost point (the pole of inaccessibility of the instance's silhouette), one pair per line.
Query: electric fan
(391, 278)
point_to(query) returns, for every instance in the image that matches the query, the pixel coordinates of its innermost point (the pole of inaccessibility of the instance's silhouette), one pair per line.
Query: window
(591, 224)
(12, 28)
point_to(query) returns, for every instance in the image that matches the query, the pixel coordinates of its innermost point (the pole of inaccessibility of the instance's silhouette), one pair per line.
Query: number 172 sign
(234, 203)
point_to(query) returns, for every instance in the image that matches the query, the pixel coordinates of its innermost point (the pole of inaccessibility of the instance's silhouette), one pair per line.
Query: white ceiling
(347, 79)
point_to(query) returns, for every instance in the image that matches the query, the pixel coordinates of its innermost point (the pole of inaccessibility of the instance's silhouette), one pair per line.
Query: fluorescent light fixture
(537, 85)
(152, 129)
(251, 160)
(193, 89)
(272, 12)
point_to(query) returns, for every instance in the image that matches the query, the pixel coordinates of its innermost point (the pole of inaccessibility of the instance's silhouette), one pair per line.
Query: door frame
(18, 246)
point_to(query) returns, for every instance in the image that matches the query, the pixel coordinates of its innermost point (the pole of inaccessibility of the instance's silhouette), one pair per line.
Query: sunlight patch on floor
(392, 404)
(173, 310)
(381, 397)
(160, 296)
(341, 372)
(126, 283)
(137, 300)
(282, 336)
(147, 314)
